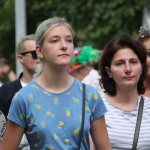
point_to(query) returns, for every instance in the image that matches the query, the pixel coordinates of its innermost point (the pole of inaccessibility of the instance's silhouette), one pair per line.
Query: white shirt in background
(93, 79)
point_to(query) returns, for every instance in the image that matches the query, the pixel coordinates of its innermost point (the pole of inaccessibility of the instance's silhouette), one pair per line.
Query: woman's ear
(39, 51)
(108, 72)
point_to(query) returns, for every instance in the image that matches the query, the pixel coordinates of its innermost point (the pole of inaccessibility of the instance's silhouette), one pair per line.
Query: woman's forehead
(125, 53)
(60, 30)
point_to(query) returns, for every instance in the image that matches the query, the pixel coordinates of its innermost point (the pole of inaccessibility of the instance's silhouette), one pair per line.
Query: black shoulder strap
(83, 115)
(138, 124)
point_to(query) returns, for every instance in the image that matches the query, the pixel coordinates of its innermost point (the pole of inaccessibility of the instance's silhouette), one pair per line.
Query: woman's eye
(148, 54)
(119, 64)
(69, 40)
(54, 41)
(134, 62)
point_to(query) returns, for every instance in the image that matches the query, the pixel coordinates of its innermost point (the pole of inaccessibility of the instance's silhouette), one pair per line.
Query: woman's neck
(55, 80)
(147, 83)
(27, 76)
(124, 99)
(147, 87)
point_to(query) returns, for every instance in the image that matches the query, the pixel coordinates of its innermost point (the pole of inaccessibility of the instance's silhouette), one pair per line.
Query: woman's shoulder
(145, 97)
(146, 100)
(102, 94)
(88, 87)
(29, 88)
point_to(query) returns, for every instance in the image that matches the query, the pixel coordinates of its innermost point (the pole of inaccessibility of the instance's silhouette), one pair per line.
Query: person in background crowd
(5, 69)
(123, 70)
(144, 37)
(81, 66)
(49, 108)
(27, 56)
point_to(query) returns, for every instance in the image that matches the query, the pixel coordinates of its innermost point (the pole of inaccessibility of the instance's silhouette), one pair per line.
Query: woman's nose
(63, 45)
(127, 68)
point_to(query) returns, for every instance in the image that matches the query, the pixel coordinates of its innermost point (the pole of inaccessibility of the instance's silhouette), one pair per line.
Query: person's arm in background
(11, 75)
(91, 143)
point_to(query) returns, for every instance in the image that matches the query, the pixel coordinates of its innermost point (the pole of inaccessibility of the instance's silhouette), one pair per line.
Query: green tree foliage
(95, 22)
(7, 30)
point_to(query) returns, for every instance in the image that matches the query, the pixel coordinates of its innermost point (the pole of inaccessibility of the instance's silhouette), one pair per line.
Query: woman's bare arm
(99, 134)
(12, 137)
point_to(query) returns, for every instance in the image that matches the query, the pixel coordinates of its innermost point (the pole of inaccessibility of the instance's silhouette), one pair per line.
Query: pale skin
(56, 53)
(126, 70)
(29, 64)
(147, 80)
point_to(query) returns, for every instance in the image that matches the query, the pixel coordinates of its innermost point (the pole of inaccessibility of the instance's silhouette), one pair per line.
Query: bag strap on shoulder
(138, 124)
(83, 115)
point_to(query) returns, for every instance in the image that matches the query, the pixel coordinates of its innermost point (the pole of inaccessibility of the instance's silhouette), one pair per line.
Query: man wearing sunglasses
(27, 56)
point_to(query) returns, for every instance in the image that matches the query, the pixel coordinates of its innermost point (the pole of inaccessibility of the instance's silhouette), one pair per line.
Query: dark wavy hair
(143, 39)
(106, 58)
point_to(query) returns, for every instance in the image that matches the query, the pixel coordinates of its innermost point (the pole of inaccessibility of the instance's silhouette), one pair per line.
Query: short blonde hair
(43, 29)
(20, 46)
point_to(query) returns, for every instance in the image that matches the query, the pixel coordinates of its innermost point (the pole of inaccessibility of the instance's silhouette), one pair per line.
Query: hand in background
(11, 75)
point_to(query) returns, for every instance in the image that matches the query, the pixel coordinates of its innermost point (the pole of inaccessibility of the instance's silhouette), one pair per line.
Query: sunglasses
(33, 53)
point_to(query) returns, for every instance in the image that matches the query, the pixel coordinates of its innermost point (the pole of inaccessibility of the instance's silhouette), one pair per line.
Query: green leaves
(95, 22)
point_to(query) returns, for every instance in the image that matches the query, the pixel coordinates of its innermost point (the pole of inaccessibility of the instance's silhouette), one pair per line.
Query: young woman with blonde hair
(49, 109)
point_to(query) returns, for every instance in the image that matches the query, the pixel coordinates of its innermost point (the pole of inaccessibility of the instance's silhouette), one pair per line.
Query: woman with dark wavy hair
(123, 70)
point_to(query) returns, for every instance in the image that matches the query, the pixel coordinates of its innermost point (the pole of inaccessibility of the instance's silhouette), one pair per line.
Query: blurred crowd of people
(77, 97)
(5, 70)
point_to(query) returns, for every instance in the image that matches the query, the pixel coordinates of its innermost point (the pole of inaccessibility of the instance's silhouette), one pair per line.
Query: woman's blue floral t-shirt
(52, 121)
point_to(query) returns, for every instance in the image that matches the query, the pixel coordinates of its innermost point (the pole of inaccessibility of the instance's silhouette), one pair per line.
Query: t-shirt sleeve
(96, 104)
(17, 110)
